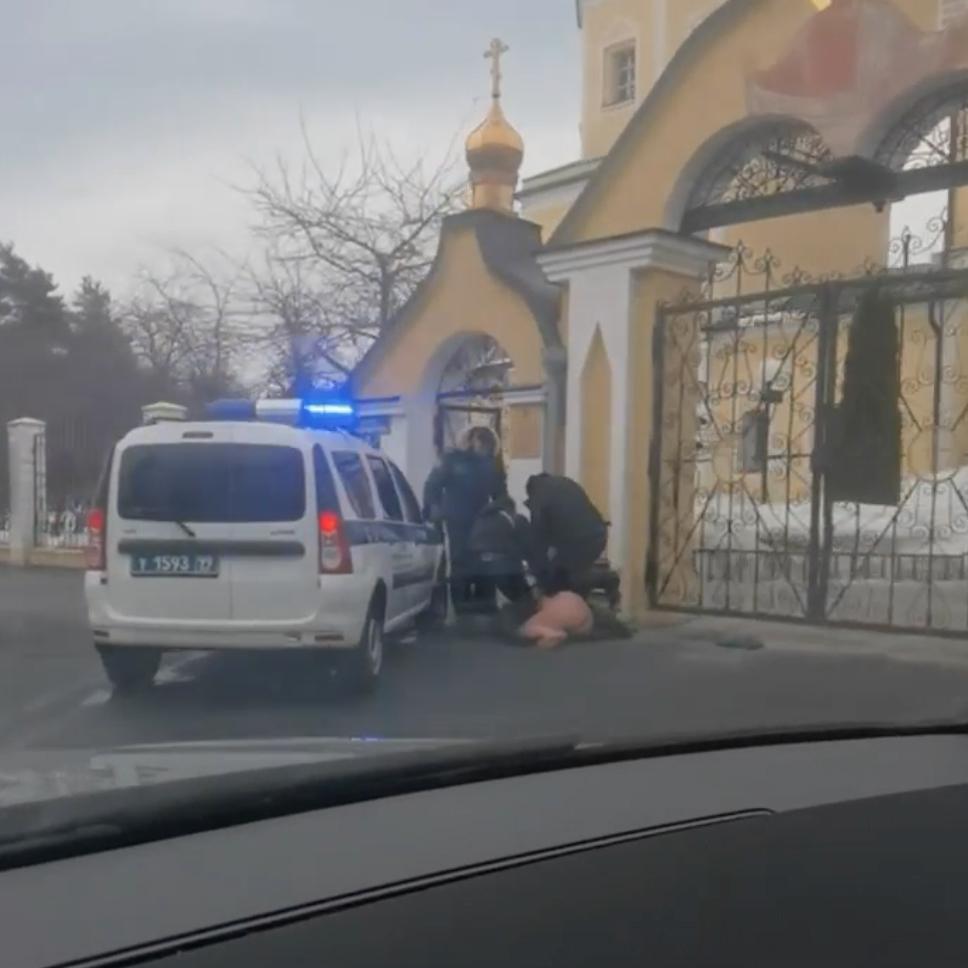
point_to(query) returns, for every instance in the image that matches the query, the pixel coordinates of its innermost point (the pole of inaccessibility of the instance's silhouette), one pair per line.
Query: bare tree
(298, 340)
(362, 235)
(343, 250)
(186, 327)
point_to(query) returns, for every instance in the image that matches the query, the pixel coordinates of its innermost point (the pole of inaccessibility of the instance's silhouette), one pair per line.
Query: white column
(389, 418)
(600, 278)
(600, 297)
(420, 410)
(22, 439)
(660, 41)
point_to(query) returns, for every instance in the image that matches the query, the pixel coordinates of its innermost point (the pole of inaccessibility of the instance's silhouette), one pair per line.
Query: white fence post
(22, 439)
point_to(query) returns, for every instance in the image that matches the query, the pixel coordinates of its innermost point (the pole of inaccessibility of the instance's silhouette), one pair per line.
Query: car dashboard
(850, 852)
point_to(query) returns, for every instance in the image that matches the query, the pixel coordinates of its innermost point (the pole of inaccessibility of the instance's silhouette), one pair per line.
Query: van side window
(326, 496)
(352, 473)
(410, 503)
(385, 488)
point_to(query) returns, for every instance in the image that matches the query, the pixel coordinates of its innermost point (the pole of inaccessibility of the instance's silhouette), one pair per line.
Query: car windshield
(375, 382)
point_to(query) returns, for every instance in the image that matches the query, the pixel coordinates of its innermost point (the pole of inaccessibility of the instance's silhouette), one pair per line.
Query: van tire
(365, 663)
(129, 670)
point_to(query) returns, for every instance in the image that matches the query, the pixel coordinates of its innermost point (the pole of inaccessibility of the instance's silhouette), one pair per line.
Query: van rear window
(213, 483)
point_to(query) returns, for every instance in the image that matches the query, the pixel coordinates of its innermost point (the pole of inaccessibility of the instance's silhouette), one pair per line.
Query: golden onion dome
(495, 140)
(495, 150)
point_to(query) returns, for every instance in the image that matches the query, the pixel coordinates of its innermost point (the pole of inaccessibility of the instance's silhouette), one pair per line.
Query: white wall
(518, 473)
(601, 297)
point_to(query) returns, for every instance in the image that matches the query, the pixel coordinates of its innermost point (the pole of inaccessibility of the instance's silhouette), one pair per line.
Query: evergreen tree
(34, 337)
(866, 465)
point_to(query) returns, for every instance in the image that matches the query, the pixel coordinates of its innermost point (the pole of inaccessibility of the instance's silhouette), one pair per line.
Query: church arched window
(775, 158)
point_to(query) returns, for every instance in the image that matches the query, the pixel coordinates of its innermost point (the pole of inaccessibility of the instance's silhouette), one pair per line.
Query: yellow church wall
(712, 97)
(460, 297)
(607, 24)
(549, 218)
(793, 421)
(708, 96)
(524, 432)
(818, 243)
(596, 418)
(960, 218)
(957, 323)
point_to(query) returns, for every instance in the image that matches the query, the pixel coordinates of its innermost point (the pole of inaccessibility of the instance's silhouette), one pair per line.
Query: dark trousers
(569, 571)
(473, 588)
(461, 588)
(514, 588)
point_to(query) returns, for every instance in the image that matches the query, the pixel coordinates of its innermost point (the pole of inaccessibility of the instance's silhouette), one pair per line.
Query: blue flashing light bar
(330, 409)
(329, 414)
(234, 410)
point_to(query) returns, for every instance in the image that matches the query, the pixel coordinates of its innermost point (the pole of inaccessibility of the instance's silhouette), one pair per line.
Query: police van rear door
(275, 570)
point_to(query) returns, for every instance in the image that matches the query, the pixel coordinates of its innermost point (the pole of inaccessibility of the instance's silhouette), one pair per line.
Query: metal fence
(747, 517)
(69, 461)
(4, 486)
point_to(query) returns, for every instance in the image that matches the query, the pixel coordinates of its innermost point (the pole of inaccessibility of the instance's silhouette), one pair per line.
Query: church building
(667, 318)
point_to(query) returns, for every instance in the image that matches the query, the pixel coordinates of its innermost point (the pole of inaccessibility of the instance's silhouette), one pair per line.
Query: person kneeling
(500, 543)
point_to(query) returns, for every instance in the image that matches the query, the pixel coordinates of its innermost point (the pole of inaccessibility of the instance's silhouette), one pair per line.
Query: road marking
(44, 701)
(175, 672)
(23, 725)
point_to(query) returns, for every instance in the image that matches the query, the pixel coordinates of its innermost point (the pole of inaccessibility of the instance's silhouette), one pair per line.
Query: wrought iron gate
(748, 387)
(40, 487)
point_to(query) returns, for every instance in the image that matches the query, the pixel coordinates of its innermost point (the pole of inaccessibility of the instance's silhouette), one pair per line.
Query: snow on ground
(932, 518)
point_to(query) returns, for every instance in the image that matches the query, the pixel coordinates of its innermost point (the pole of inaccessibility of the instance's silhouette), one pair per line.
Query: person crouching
(500, 543)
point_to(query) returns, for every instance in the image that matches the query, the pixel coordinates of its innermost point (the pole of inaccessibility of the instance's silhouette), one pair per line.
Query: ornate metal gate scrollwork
(748, 385)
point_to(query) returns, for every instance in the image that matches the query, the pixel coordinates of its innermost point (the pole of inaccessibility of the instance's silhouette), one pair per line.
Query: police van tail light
(334, 549)
(95, 553)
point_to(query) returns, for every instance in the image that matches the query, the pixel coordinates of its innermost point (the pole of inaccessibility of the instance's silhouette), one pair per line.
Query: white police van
(252, 530)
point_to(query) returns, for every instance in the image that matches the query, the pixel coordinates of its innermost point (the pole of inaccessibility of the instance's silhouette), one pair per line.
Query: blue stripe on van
(207, 546)
(359, 533)
(416, 576)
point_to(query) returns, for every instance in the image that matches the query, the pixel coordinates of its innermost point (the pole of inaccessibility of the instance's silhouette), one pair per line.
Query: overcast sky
(128, 122)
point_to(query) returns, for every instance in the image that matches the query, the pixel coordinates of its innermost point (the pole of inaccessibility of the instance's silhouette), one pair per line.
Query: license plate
(174, 566)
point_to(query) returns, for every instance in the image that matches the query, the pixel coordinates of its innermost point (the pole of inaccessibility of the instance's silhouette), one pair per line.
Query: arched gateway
(679, 325)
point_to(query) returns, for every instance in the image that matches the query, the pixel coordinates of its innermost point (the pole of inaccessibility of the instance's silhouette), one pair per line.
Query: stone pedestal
(25, 439)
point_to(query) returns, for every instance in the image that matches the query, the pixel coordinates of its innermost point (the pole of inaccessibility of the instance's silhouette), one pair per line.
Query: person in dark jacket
(501, 543)
(568, 532)
(458, 489)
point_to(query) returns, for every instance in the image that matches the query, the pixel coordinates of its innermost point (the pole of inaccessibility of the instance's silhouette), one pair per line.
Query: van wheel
(366, 660)
(129, 669)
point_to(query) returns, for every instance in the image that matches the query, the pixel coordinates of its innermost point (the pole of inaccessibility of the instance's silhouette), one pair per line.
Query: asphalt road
(53, 694)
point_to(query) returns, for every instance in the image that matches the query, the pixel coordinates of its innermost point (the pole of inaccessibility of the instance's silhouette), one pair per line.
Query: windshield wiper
(159, 515)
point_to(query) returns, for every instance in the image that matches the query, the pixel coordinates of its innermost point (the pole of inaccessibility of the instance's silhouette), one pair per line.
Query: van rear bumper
(339, 627)
(220, 641)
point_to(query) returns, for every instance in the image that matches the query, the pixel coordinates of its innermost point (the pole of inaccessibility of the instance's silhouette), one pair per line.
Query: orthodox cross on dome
(494, 53)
